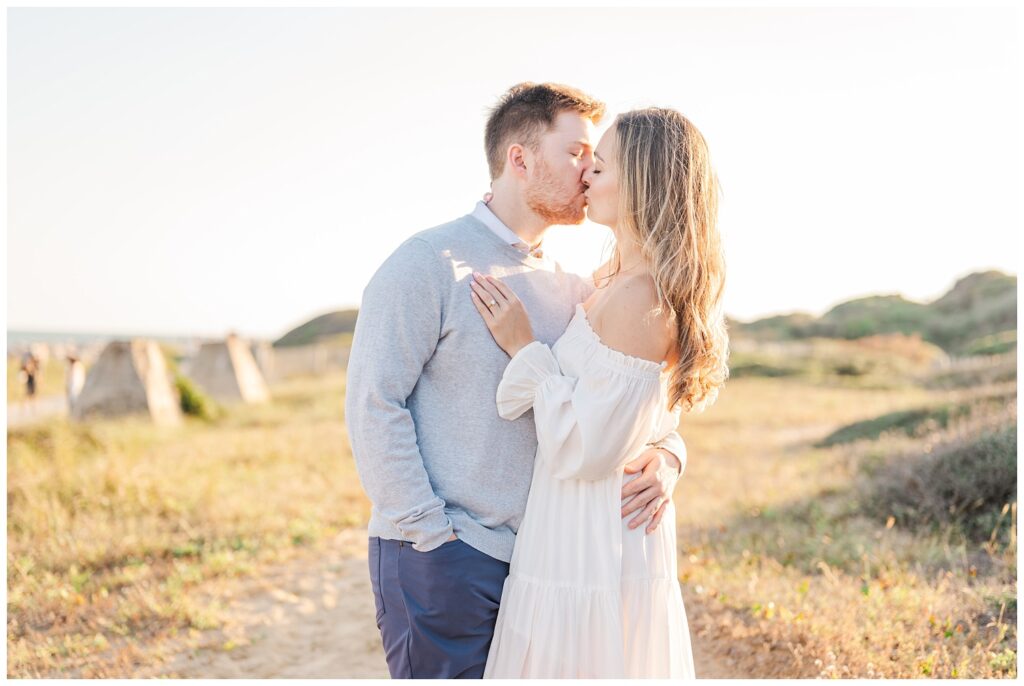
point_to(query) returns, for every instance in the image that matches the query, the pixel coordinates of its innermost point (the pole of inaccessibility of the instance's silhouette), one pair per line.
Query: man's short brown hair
(527, 110)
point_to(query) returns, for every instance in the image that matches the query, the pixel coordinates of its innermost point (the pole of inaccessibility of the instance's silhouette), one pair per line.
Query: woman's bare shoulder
(629, 322)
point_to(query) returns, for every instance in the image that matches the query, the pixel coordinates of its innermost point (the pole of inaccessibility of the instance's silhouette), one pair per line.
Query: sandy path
(713, 657)
(301, 619)
(315, 619)
(22, 413)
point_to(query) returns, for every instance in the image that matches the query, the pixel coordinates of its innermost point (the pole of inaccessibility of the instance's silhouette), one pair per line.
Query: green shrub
(911, 422)
(850, 368)
(994, 344)
(760, 369)
(964, 482)
(194, 402)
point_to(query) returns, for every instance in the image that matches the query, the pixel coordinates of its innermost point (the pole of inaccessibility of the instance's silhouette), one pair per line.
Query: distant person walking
(74, 381)
(28, 374)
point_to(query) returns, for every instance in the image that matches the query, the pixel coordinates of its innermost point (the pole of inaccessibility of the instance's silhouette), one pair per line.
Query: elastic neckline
(631, 361)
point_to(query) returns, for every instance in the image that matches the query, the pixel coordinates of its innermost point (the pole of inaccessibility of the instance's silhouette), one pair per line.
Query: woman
(586, 596)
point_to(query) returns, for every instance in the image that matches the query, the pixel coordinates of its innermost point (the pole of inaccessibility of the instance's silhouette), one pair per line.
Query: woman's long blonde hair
(668, 201)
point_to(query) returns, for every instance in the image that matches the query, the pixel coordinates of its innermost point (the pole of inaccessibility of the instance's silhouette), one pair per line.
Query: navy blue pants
(436, 610)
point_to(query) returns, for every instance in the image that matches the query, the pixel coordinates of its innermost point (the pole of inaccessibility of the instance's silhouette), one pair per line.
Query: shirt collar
(491, 221)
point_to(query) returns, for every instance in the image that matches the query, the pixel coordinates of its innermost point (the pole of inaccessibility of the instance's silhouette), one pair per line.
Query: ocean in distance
(16, 338)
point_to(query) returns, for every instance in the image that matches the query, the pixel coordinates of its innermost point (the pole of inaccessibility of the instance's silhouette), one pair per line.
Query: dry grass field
(114, 526)
(814, 531)
(792, 569)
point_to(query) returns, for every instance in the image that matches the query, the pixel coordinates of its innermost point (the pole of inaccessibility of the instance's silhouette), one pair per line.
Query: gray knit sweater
(431, 451)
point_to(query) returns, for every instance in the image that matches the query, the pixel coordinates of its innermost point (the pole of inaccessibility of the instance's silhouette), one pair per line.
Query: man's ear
(516, 159)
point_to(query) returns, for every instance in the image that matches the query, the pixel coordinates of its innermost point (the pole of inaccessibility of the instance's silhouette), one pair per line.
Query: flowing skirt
(587, 597)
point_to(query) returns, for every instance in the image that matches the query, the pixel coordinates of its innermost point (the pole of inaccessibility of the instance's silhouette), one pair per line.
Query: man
(447, 477)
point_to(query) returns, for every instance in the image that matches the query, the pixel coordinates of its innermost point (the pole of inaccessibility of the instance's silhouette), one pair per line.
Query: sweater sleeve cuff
(675, 445)
(430, 533)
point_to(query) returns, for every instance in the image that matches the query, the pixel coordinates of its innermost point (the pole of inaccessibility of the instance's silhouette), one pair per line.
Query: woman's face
(602, 181)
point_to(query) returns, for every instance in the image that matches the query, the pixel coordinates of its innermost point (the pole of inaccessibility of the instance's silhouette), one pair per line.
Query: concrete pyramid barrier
(227, 371)
(130, 377)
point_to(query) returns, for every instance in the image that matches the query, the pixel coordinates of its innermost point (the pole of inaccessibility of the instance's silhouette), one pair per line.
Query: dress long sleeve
(594, 419)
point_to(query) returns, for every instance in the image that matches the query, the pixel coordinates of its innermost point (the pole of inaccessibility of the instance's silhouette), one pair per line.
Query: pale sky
(189, 171)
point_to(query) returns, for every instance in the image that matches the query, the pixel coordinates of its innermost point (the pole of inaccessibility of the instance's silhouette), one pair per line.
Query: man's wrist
(672, 460)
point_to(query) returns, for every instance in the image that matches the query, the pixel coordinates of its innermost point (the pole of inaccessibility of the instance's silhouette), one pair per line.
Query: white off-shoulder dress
(586, 596)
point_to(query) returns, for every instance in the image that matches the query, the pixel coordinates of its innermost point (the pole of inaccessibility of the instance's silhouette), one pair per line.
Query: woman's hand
(503, 313)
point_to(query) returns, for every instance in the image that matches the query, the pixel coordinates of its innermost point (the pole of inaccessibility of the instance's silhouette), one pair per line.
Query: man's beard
(543, 197)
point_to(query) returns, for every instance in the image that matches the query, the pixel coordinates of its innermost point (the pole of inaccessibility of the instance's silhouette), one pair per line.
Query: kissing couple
(514, 425)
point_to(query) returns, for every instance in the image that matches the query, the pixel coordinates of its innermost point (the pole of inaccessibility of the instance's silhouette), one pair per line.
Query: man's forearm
(674, 445)
(391, 469)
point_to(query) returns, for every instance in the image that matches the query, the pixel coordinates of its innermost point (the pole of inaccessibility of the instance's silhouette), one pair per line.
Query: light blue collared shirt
(491, 221)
